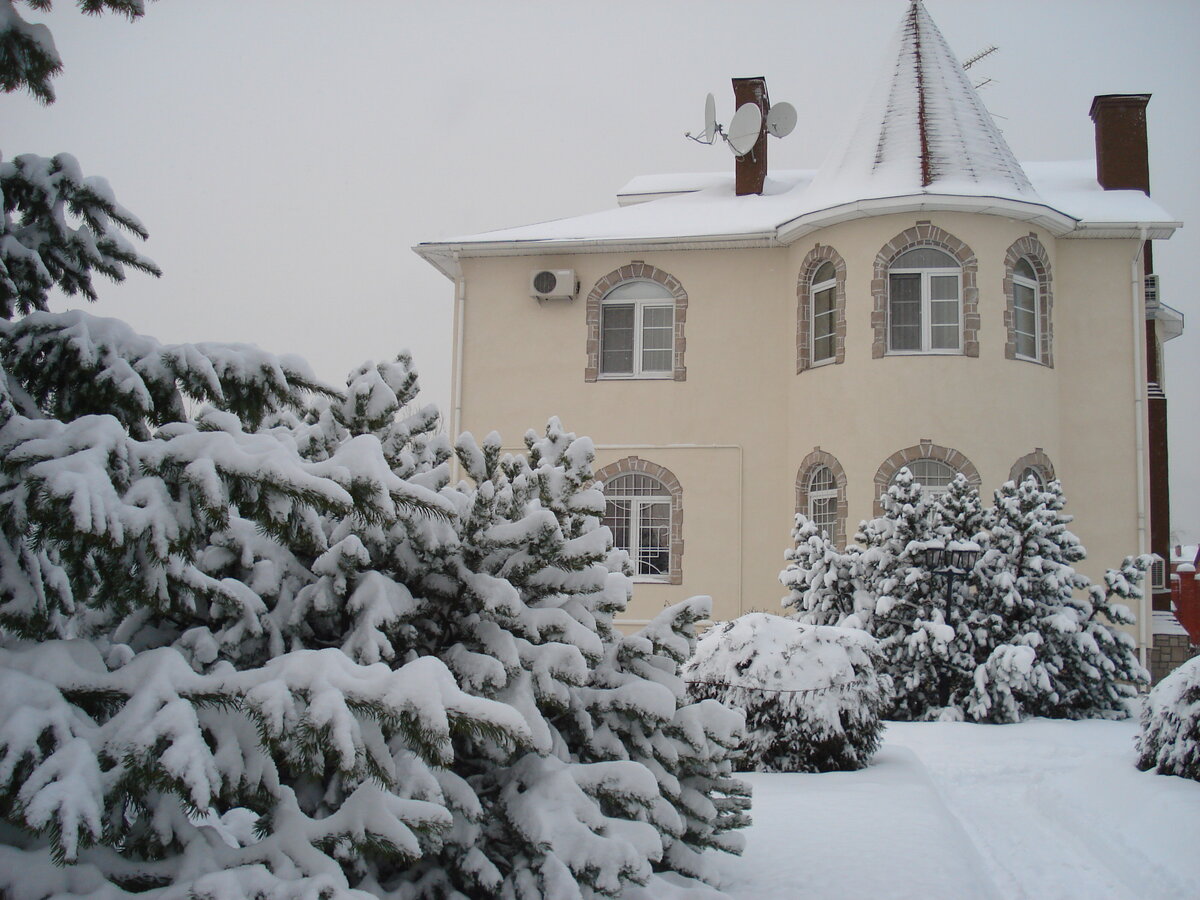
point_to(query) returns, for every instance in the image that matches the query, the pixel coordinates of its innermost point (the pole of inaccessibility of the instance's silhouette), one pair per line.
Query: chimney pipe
(1122, 159)
(750, 170)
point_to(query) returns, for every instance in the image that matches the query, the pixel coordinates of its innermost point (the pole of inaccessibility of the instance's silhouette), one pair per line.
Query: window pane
(638, 290)
(654, 538)
(904, 312)
(825, 273)
(943, 312)
(616, 339)
(943, 337)
(1034, 473)
(633, 484)
(821, 480)
(657, 338)
(924, 258)
(823, 349)
(1025, 320)
(823, 302)
(616, 517)
(823, 513)
(1024, 269)
(943, 287)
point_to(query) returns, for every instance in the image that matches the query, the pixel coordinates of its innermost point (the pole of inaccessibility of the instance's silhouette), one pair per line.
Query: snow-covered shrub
(810, 693)
(1169, 741)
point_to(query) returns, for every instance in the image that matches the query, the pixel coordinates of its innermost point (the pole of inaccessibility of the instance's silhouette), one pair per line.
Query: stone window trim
(634, 271)
(818, 255)
(668, 481)
(924, 234)
(926, 449)
(1031, 249)
(810, 464)
(1035, 460)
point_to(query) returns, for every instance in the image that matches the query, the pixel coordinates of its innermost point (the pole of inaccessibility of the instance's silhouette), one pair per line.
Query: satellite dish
(744, 128)
(710, 119)
(781, 119)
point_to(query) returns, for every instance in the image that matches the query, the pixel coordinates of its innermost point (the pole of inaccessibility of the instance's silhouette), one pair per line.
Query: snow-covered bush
(1169, 741)
(810, 693)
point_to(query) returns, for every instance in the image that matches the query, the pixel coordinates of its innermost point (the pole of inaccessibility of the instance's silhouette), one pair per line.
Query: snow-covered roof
(1164, 622)
(923, 142)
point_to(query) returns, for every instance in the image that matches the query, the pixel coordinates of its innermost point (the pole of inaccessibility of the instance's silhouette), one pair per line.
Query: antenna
(744, 129)
(986, 51)
(781, 119)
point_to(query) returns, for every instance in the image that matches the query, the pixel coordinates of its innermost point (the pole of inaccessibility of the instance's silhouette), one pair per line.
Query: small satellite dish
(781, 119)
(744, 128)
(710, 119)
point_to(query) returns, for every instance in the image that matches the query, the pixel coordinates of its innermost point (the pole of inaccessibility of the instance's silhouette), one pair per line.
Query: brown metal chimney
(750, 170)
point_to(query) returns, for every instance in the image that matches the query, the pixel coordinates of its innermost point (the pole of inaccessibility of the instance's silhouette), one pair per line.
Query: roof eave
(445, 256)
(1054, 221)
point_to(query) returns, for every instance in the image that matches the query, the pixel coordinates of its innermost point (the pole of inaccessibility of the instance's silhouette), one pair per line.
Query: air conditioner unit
(1158, 573)
(553, 284)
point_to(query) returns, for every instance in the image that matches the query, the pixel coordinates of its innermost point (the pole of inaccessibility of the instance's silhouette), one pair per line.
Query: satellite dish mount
(746, 136)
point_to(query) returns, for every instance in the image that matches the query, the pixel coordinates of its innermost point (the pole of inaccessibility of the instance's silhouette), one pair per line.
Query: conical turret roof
(923, 129)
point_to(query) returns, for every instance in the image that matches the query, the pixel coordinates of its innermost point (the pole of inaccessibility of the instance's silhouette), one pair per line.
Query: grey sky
(285, 155)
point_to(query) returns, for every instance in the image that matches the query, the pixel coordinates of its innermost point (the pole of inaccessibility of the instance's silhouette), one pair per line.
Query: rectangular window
(924, 312)
(824, 325)
(637, 339)
(943, 312)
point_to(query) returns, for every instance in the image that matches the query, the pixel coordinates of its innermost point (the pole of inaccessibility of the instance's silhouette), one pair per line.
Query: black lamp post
(953, 560)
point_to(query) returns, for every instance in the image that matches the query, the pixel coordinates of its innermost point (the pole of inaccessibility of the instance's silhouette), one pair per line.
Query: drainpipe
(1139, 405)
(460, 328)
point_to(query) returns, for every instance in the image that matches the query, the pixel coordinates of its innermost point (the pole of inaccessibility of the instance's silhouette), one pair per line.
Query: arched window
(1026, 334)
(933, 475)
(1036, 465)
(821, 493)
(637, 328)
(823, 304)
(635, 319)
(637, 509)
(822, 500)
(932, 465)
(1027, 287)
(924, 302)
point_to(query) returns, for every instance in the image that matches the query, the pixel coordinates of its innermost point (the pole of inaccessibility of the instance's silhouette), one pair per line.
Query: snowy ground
(1040, 810)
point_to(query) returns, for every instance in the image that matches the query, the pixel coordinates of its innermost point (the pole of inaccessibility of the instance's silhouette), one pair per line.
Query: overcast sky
(286, 154)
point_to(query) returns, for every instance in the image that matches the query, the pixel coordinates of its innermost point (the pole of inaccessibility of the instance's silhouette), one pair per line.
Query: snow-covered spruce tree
(810, 693)
(623, 776)
(1169, 741)
(819, 577)
(902, 605)
(1061, 655)
(181, 694)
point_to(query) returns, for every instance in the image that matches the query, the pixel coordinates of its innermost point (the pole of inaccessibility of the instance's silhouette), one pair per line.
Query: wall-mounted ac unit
(553, 284)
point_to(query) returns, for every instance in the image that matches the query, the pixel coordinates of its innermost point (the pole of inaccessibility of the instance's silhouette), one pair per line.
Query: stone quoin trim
(1030, 248)
(923, 234)
(635, 271)
(926, 449)
(672, 486)
(808, 465)
(816, 257)
(1035, 460)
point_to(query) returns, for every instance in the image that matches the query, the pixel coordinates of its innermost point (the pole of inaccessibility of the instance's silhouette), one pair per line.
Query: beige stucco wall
(748, 419)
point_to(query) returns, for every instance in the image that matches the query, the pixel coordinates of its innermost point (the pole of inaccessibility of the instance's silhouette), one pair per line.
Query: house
(742, 346)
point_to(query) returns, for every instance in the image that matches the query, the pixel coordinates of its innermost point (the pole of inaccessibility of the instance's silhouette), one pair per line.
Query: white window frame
(825, 494)
(830, 284)
(927, 274)
(1038, 475)
(640, 307)
(1032, 284)
(638, 504)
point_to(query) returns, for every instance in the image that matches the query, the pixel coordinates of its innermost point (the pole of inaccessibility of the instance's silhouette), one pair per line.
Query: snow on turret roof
(923, 128)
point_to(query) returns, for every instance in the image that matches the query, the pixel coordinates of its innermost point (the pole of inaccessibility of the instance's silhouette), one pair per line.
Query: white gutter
(1139, 406)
